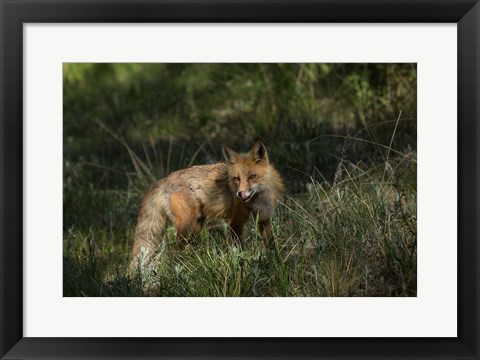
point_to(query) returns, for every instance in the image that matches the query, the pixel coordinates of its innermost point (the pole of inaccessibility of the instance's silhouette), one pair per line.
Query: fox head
(249, 173)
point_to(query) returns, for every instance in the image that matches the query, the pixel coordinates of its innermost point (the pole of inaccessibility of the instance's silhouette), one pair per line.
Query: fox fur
(245, 184)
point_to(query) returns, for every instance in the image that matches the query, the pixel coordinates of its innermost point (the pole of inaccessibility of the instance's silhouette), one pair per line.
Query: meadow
(343, 137)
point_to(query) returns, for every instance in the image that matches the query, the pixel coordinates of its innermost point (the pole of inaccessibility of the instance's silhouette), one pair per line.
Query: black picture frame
(14, 13)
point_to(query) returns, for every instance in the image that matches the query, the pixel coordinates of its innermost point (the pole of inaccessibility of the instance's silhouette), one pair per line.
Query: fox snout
(245, 195)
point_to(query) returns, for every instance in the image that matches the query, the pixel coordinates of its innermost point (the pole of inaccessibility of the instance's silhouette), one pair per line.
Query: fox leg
(266, 232)
(236, 231)
(237, 227)
(187, 217)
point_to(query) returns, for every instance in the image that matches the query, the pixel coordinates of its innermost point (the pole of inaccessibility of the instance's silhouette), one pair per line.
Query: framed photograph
(239, 179)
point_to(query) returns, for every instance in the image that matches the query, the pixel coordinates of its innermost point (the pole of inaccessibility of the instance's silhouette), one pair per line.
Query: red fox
(245, 184)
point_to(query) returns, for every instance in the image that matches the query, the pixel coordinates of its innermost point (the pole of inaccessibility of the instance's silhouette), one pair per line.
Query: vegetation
(343, 136)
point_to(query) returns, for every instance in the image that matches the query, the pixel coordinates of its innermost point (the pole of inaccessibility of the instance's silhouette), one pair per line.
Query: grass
(356, 237)
(336, 132)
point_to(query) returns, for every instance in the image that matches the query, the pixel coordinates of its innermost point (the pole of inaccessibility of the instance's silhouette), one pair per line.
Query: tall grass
(353, 237)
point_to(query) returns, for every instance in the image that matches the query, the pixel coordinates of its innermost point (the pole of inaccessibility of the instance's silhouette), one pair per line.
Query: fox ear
(229, 153)
(259, 152)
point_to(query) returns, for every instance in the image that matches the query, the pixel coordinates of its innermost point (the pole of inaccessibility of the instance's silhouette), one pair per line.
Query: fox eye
(236, 179)
(251, 177)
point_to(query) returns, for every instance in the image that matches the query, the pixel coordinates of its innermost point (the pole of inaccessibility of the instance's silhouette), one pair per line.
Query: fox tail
(151, 225)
